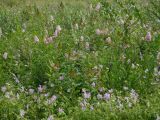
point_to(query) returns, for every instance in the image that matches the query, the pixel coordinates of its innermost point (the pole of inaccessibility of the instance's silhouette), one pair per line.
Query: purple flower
(107, 96)
(52, 99)
(87, 95)
(40, 88)
(148, 36)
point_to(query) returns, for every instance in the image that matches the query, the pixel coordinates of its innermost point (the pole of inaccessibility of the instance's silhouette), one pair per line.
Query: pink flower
(48, 40)
(98, 6)
(52, 99)
(148, 36)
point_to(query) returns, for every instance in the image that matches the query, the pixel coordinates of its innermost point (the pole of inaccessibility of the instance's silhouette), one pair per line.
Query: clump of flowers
(48, 40)
(101, 32)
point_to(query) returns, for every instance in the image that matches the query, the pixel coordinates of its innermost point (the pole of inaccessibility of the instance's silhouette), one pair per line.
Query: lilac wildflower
(107, 96)
(148, 36)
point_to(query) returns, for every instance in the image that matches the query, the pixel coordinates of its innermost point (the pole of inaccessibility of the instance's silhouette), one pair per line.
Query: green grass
(128, 64)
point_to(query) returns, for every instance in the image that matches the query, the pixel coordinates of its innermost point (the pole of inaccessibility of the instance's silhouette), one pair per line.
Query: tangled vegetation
(80, 59)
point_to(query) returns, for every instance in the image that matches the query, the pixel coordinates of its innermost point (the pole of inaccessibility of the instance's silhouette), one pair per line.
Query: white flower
(36, 39)
(98, 32)
(146, 70)
(7, 95)
(134, 96)
(31, 91)
(58, 28)
(158, 117)
(81, 38)
(99, 97)
(158, 56)
(125, 88)
(51, 18)
(5, 55)
(87, 45)
(93, 84)
(22, 113)
(3, 89)
(108, 40)
(40, 88)
(76, 26)
(60, 110)
(133, 66)
(61, 77)
(50, 117)
(98, 6)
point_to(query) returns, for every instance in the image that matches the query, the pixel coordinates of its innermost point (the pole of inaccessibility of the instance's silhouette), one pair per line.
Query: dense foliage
(80, 60)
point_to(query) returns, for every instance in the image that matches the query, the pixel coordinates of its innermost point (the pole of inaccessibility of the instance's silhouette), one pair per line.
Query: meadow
(79, 59)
